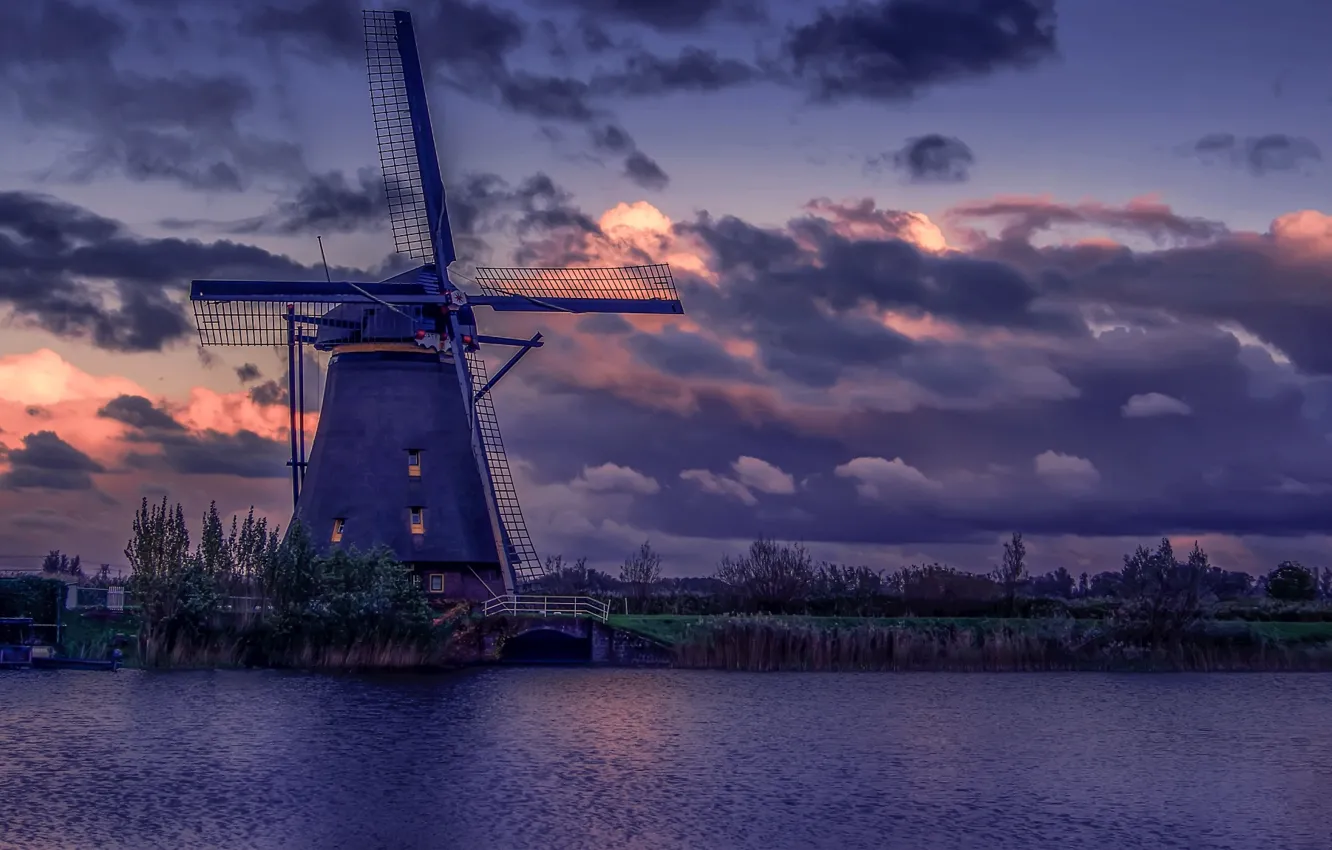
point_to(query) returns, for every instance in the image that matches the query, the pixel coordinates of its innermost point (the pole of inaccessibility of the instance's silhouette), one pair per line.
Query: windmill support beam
(291, 405)
(527, 345)
(534, 342)
(300, 393)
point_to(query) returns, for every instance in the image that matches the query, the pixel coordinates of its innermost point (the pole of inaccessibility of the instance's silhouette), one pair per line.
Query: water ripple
(662, 759)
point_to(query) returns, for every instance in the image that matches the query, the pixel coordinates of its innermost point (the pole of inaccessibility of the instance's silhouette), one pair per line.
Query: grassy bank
(961, 644)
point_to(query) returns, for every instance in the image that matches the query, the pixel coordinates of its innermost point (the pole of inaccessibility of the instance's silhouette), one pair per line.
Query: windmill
(407, 451)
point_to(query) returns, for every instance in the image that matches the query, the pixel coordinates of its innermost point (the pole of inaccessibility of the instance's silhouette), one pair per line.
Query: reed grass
(772, 644)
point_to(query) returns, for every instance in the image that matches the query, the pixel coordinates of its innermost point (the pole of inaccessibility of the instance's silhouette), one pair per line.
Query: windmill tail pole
(291, 403)
(300, 395)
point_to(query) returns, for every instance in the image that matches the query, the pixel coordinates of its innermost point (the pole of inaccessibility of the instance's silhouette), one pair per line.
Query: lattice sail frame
(628, 283)
(522, 554)
(396, 141)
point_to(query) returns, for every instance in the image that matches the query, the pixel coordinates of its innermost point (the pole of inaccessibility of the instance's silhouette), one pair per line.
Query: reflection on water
(567, 758)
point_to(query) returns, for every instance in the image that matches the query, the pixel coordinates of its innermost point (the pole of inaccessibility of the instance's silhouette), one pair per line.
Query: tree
(157, 553)
(57, 564)
(1291, 581)
(1058, 584)
(641, 570)
(1164, 592)
(1012, 570)
(772, 574)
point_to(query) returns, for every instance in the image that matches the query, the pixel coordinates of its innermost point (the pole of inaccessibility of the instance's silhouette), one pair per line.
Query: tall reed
(770, 643)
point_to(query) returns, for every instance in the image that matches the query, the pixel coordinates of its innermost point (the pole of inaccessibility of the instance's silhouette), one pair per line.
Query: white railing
(110, 598)
(548, 606)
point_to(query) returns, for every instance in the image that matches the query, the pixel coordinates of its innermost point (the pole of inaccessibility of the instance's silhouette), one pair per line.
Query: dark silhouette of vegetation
(1293, 582)
(57, 564)
(249, 596)
(1012, 570)
(641, 570)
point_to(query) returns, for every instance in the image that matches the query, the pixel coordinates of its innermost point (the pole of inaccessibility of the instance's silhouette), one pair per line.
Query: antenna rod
(320, 240)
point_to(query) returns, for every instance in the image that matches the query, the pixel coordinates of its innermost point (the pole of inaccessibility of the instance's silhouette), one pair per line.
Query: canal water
(555, 758)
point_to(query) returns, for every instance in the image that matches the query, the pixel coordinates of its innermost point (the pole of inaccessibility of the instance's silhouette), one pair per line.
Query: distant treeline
(783, 578)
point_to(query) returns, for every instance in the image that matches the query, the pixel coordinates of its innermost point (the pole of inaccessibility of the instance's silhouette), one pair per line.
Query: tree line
(778, 577)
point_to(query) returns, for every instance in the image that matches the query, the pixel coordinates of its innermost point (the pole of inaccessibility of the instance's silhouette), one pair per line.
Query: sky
(951, 268)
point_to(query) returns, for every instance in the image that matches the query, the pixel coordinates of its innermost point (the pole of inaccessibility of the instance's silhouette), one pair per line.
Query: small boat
(20, 650)
(61, 662)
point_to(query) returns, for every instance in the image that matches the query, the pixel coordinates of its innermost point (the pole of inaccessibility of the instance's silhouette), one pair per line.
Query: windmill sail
(411, 171)
(520, 552)
(421, 229)
(626, 289)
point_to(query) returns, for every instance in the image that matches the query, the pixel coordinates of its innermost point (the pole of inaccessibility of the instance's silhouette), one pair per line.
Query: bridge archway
(547, 646)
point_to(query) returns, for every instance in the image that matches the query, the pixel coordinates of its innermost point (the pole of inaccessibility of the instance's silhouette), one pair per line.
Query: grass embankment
(974, 644)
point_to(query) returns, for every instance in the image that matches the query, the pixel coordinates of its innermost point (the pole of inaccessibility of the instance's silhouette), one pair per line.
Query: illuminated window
(418, 520)
(414, 463)
(436, 583)
(338, 526)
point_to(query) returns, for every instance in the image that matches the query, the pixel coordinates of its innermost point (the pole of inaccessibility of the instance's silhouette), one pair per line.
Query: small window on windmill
(339, 525)
(418, 520)
(414, 463)
(436, 582)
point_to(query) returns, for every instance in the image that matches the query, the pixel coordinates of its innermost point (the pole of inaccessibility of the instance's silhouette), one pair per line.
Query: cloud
(934, 159)
(244, 454)
(777, 358)
(248, 372)
(673, 17)
(1154, 404)
(645, 172)
(47, 462)
(878, 478)
(78, 274)
(61, 62)
(1260, 155)
(638, 167)
(1024, 217)
(1067, 473)
(43, 377)
(320, 204)
(609, 477)
(694, 69)
(719, 485)
(895, 50)
(138, 412)
(467, 45)
(758, 474)
(750, 474)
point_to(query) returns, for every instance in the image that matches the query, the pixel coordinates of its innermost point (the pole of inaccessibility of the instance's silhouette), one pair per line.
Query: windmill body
(407, 453)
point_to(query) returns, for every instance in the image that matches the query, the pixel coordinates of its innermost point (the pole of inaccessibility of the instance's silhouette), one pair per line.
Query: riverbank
(765, 643)
(770, 643)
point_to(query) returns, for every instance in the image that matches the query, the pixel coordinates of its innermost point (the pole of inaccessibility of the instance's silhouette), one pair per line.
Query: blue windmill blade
(624, 289)
(421, 229)
(406, 140)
